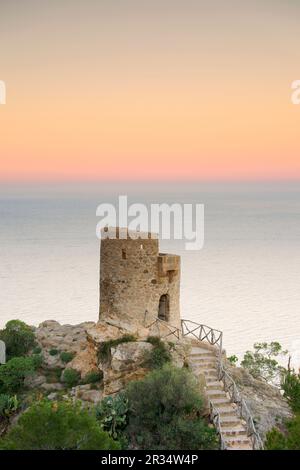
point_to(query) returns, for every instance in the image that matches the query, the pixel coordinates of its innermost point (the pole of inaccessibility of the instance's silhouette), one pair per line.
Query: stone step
(202, 351)
(210, 375)
(216, 394)
(220, 402)
(238, 430)
(203, 361)
(210, 372)
(215, 384)
(211, 380)
(226, 411)
(203, 354)
(232, 440)
(241, 447)
(199, 350)
(203, 365)
(229, 420)
(211, 391)
(203, 369)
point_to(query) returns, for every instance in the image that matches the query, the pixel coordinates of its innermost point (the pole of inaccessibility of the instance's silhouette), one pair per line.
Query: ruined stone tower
(137, 282)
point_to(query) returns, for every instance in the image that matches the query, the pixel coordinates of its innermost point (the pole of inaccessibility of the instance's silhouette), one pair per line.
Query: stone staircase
(203, 362)
(228, 410)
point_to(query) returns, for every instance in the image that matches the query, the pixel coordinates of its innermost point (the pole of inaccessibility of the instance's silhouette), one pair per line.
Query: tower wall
(134, 276)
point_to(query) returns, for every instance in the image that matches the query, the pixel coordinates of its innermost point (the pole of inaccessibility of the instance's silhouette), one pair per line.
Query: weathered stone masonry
(137, 282)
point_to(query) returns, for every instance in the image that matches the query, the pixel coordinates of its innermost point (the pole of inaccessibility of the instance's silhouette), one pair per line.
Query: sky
(149, 90)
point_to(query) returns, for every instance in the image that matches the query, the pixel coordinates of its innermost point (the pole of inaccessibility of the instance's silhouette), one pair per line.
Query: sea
(244, 281)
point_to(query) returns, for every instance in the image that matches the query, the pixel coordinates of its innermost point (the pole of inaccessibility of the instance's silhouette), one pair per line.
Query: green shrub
(57, 426)
(66, 356)
(232, 359)
(37, 360)
(291, 390)
(14, 372)
(154, 340)
(186, 434)
(112, 414)
(71, 377)
(290, 440)
(8, 405)
(164, 412)
(37, 350)
(263, 362)
(18, 337)
(105, 347)
(53, 352)
(275, 440)
(171, 344)
(53, 375)
(159, 355)
(93, 377)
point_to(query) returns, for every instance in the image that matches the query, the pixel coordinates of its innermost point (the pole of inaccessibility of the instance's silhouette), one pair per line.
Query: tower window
(164, 307)
(124, 254)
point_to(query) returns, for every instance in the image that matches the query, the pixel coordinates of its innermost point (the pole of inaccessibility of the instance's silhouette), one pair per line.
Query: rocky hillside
(265, 402)
(114, 353)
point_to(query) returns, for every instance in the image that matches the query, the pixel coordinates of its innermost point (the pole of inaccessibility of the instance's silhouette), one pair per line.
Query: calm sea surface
(245, 281)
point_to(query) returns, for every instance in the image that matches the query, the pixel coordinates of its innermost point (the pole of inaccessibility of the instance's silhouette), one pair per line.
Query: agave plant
(112, 414)
(8, 405)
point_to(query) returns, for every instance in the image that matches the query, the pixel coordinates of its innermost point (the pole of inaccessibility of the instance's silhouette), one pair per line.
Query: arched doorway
(164, 307)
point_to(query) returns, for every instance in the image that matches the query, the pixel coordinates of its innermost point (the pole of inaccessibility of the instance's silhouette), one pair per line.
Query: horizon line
(147, 180)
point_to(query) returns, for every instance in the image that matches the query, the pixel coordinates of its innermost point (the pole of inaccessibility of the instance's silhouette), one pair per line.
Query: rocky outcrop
(51, 337)
(126, 359)
(180, 352)
(128, 356)
(87, 394)
(115, 382)
(85, 361)
(266, 404)
(52, 387)
(114, 328)
(35, 381)
(102, 331)
(123, 364)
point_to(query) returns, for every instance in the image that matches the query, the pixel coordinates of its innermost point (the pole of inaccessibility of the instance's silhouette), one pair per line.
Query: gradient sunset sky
(148, 89)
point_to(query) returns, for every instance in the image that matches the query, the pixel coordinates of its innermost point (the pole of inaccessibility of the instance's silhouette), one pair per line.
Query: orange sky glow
(137, 90)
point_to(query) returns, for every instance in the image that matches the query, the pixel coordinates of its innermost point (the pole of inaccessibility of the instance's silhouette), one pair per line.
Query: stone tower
(137, 283)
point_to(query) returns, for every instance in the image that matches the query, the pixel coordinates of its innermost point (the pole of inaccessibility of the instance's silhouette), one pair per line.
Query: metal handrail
(216, 421)
(173, 330)
(215, 337)
(231, 388)
(202, 333)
